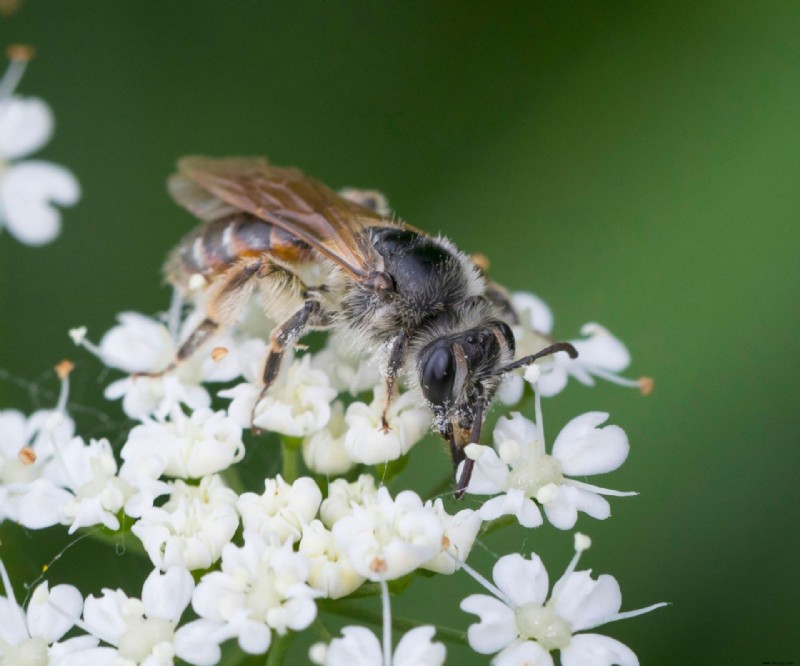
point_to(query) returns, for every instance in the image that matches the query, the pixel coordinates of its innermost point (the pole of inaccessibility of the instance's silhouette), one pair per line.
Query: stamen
(218, 353)
(644, 384)
(599, 490)
(582, 543)
(174, 315)
(63, 371)
(19, 54)
(483, 581)
(78, 336)
(627, 614)
(26, 455)
(17, 611)
(539, 418)
(64, 368)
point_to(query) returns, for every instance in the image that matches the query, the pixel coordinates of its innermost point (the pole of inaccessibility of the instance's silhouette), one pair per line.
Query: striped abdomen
(211, 248)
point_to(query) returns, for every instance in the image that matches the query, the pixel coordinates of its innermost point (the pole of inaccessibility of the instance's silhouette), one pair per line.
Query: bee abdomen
(212, 247)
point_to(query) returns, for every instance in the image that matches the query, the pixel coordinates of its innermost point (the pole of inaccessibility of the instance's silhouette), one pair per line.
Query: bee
(343, 263)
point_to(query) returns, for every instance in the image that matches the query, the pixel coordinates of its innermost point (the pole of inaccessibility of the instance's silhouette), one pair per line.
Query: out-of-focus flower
(192, 527)
(29, 189)
(187, 447)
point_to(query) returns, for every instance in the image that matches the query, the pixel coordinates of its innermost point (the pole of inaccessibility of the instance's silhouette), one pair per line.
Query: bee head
(459, 375)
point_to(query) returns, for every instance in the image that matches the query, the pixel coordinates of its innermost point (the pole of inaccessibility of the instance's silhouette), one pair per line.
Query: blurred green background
(634, 164)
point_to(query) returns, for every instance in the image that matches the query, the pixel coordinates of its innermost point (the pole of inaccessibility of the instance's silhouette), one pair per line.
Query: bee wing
(284, 197)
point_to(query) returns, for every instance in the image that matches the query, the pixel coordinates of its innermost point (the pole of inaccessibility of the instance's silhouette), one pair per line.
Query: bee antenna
(547, 351)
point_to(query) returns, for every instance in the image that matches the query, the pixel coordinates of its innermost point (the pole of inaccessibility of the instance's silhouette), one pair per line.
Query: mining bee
(342, 262)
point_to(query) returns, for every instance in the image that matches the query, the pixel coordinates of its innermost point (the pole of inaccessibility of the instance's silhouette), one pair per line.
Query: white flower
(389, 538)
(343, 496)
(347, 369)
(365, 440)
(324, 451)
(259, 588)
(297, 404)
(27, 447)
(89, 473)
(330, 571)
(31, 637)
(140, 631)
(460, 532)
(282, 510)
(523, 471)
(531, 334)
(192, 528)
(140, 344)
(28, 189)
(360, 647)
(187, 447)
(524, 626)
(600, 354)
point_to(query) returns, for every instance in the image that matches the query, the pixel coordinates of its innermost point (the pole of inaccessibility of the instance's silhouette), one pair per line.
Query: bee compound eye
(438, 375)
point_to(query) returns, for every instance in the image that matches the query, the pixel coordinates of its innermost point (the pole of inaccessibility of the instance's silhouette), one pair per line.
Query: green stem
(279, 648)
(447, 634)
(289, 467)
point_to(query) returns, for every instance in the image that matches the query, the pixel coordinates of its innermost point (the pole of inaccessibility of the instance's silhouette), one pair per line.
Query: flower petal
(167, 595)
(522, 580)
(596, 650)
(523, 653)
(583, 448)
(497, 626)
(585, 602)
(27, 192)
(357, 647)
(26, 124)
(417, 649)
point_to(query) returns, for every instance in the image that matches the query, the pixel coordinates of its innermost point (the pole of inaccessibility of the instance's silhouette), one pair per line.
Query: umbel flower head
(523, 624)
(29, 189)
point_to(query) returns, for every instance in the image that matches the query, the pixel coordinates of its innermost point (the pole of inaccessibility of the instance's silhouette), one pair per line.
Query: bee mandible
(341, 262)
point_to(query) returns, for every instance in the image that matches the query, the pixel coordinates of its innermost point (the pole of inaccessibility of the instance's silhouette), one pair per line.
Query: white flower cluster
(258, 563)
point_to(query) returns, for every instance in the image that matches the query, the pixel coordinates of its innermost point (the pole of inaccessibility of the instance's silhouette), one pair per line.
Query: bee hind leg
(225, 301)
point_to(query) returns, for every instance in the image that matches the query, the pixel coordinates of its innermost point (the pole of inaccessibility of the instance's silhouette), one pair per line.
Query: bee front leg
(282, 338)
(395, 359)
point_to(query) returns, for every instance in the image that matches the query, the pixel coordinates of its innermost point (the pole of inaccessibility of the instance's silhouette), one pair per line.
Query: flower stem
(447, 634)
(289, 449)
(279, 648)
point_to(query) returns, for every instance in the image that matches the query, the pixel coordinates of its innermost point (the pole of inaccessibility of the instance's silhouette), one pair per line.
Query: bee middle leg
(283, 337)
